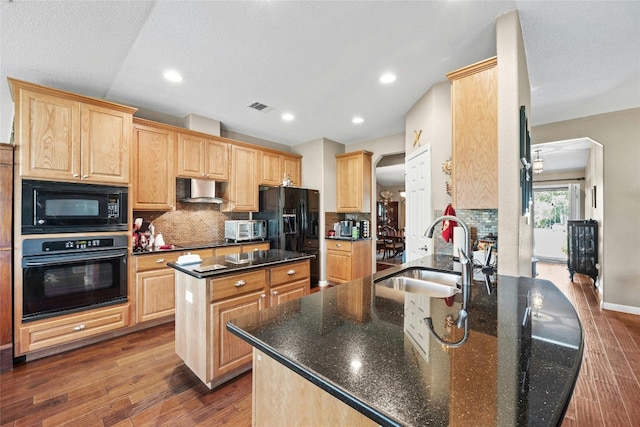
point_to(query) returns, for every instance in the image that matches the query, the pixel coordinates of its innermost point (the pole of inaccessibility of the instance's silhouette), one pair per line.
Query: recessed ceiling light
(173, 76)
(357, 120)
(388, 78)
(288, 117)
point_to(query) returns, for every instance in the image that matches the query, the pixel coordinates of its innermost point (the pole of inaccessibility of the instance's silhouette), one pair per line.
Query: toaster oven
(245, 230)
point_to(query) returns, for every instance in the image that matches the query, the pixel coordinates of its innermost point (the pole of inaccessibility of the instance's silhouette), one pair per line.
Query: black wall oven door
(81, 279)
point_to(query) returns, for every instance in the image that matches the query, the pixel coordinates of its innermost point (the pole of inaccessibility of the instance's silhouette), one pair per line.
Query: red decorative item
(447, 226)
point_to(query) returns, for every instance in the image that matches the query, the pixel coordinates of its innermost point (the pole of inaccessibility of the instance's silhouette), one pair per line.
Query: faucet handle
(464, 259)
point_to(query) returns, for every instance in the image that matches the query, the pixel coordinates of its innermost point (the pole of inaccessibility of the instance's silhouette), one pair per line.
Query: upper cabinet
(276, 167)
(202, 157)
(241, 193)
(292, 169)
(153, 178)
(353, 182)
(474, 114)
(67, 137)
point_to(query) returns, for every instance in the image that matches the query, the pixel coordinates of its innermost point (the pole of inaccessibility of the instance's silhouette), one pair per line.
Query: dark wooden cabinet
(388, 214)
(6, 264)
(582, 244)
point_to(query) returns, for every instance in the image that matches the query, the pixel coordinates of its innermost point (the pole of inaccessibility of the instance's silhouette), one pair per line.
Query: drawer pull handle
(263, 296)
(240, 283)
(79, 327)
(338, 245)
(291, 272)
(159, 260)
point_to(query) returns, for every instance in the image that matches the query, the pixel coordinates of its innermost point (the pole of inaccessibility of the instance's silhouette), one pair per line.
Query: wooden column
(6, 264)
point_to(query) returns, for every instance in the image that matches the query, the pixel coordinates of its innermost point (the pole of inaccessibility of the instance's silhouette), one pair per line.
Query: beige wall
(432, 114)
(619, 134)
(319, 172)
(515, 231)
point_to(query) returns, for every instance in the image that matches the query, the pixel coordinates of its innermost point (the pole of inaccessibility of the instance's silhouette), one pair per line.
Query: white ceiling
(319, 60)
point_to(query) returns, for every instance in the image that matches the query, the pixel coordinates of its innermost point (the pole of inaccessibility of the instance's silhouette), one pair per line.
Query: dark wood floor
(137, 380)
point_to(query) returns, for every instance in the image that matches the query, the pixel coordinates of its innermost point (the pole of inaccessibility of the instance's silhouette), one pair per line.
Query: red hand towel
(447, 226)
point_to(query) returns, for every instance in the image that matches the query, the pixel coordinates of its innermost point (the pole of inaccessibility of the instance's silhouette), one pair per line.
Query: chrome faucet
(467, 272)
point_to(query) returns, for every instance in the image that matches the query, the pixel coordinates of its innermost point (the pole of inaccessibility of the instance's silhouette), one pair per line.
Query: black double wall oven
(74, 254)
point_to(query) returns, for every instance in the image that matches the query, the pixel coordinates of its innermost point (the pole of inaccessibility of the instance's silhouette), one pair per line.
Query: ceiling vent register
(260, 107)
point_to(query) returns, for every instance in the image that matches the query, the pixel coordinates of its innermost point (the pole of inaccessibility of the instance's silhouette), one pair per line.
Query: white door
(419, 213)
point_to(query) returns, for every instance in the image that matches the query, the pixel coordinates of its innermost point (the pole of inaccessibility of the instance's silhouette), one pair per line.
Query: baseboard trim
(621, 308)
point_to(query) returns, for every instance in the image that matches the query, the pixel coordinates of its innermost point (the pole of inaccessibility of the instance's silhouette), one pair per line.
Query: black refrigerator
(292, 216)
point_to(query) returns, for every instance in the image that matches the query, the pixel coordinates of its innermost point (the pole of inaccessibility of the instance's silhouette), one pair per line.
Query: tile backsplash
(481, 222)
(190, 222)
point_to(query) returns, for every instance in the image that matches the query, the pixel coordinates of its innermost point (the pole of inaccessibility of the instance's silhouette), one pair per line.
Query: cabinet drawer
(265, 246)
(339, 245)
(290, 272)
(51, 332)
(160, 259)
(237, 284)
(228, 250)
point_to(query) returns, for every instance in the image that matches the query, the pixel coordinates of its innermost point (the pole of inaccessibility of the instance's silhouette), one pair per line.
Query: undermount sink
(435, 284)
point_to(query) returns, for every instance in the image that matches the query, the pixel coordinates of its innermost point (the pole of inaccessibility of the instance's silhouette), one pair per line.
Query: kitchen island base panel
(283, 398)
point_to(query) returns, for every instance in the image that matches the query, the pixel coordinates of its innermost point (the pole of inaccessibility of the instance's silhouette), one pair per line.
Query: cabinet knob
(274, 293)
(159, 260)
(75, 175)
(85, 176)
(338, 245)
(263, 296)
(240, 283)
(79, 327)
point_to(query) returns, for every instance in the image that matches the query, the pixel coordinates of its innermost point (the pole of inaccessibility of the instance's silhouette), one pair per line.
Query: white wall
(619, 134)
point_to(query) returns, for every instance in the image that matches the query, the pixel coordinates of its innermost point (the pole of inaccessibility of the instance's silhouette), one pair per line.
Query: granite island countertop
(518, 366)
(233, 263)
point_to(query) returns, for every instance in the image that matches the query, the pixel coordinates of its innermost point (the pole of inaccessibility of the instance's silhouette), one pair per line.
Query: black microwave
(61, 207)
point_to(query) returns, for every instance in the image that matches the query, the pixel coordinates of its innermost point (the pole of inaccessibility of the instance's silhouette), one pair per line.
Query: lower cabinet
(204, 306)
(42, 334)
(348, 260)
(289, 282)
(155, 284)
(229, 351)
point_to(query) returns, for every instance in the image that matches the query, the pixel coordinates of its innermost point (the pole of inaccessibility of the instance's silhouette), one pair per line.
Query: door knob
(424, 248)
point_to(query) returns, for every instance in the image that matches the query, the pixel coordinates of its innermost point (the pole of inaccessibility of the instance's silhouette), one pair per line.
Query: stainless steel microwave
(245, 230)
(61, 207)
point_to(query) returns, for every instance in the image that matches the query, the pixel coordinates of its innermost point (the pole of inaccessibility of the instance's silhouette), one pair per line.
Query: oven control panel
(74, 245)
(44, 246)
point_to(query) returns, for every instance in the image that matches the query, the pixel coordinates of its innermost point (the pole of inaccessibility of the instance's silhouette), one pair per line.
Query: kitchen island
(350, 355)
(219, 288)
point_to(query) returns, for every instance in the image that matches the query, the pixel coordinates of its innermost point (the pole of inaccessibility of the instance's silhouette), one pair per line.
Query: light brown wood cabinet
(348, 260)
(204, 306)
(47, 333)
(156, 284)
(353, 182)
(241, 193)
(292, 168)
(68, 137)
(275, 167)
(289, 282)
(200, 156)
(154, 186)
(474, 117)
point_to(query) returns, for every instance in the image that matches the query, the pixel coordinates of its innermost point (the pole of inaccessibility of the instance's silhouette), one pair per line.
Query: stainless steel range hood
(193, 190)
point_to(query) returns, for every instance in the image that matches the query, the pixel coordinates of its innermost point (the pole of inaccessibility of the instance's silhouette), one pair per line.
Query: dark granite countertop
(189, 246)
(351, 239)
(518, 366)
(233, 263)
